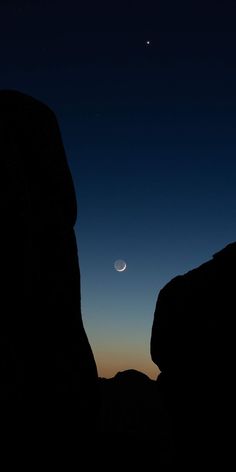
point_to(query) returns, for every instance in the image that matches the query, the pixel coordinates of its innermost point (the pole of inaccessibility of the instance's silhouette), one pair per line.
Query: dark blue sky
(149, 132)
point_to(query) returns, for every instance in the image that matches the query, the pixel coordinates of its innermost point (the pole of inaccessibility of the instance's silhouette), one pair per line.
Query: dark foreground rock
(132, 415)
(48, 375)
(193, 343)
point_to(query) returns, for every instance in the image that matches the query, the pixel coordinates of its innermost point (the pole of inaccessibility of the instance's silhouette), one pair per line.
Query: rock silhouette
(126, 401)
(192, 342)
(131, 411)
(48, 373)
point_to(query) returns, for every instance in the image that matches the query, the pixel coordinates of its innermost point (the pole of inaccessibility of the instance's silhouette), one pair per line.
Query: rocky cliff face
(192, 342)
(47, 365)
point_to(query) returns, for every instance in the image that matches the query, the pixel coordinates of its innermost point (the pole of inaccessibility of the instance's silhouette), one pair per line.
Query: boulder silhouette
(48, 374)
(192, 342)
(131, 413)
(127, 400)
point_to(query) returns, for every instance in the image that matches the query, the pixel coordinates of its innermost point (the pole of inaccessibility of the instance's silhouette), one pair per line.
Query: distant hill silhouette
(131, 412)
(193, 344)
(48, 375)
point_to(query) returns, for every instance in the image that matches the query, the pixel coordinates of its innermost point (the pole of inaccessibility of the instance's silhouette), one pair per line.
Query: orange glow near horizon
(112, 361)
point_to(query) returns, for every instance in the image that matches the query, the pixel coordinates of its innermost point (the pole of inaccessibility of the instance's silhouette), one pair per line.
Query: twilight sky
(149, 133)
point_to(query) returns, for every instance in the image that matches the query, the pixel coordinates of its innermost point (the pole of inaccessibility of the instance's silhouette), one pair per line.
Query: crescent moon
(121, 270)
(120, 265)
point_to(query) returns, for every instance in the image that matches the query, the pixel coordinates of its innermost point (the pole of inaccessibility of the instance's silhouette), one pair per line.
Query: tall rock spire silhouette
(48, 373)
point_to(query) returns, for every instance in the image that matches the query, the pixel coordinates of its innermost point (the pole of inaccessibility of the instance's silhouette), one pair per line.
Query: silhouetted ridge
(131, 376)
(48, 372)
(193, 343)
(227, 251)
(133, 415)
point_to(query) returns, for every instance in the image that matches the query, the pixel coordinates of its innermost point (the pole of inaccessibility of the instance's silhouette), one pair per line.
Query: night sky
(145, 96)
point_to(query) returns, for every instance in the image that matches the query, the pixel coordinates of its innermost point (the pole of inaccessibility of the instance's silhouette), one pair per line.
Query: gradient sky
(149, 133)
